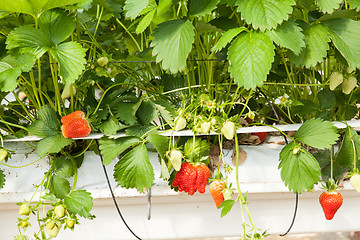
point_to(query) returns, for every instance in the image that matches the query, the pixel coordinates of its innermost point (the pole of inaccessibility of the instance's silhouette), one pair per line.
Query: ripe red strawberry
(203, 174)
(185, 178)
(75, 125)
(262, 135)
(216, 187)
(68, 118)
(330, 203)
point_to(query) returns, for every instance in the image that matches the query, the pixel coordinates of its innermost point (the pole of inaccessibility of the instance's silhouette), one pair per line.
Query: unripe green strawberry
(66, 91)
(355, 181)
(349, 84)
(24, 223)
(103, 61)
(227, 193)
(205, 127)
(180, 123)
(175, 157)
(21, 237)
(59, 211)
(52, 228)
(70, 223)
(3, 153)
(24, 209)
(335, 80)
(228, 130)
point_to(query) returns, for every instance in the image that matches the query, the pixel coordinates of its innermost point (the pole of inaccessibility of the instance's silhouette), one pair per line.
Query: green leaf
(71, 59)
(140, 131)
(317, 133)
(173, 38)
(327, 98)
(265, 14)
(111, 148)
(316, 39)
(304, 107)
(62, 167)
(145, 22)
(164, 112)
(8, 78)
(59, 186)
(298, 171)
(79, 202)
(146, 112)
(28, 40)
(355, 4)
(226, 206)
(201, 8)
(57, 25)
(110, 126)
(2, 179)
(288, 35)
(323, 157)
(126, 112)
(33, 7)
(349, 149)
(328, 5)
(47, 123)
(134, 169)
(227, 37)
(165, 174)
(250, 56)
(134, 7)
(25, 61)
(160, 142)
(52, 144)
(345, 34)
(196, 149)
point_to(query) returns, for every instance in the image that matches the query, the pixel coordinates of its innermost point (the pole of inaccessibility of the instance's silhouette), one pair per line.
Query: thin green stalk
(53, 69)
(131, 36)
(12, 124)
(23, 165)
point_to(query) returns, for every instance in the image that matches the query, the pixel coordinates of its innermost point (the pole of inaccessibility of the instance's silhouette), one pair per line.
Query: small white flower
(282, 100)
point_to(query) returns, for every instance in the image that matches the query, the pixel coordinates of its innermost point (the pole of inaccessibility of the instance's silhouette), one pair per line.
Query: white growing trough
(177, 215)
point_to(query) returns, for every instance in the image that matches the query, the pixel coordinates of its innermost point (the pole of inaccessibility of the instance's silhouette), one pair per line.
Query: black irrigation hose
(286, 141)
(112, 193)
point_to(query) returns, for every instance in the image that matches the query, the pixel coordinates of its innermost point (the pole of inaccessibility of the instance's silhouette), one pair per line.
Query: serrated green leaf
(71, 59)
(47, 123)
(317, 133)
(146, 113)
(2, 179)
(110, 126)
(304, 107)
(165, 174)
(79, 202)
(327, 98)
(62, 167)
(173, 38)
(134, 169)
(201, 8)
(345, 34)
(227, 37)
(160, 142)
(163, 7)
(8, 79)
(298, 171)
(196, 149)
(111, 148)
(265, 14)
(164, 112)
(140, 131)
(28, 40)
(349, 149)
(288, 35)
(25, 61)
(355, 4)
(59, 186)
(52, 144)
(328, 6)
(323, 157)
(126, 112)
(57, 25)
(226, 206)
(316, 39)
(145, 22)
(134, 7)
(33, 7)
(250, 56)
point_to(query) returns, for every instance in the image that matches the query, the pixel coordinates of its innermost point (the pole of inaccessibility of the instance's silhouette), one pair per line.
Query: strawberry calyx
(330, 186)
